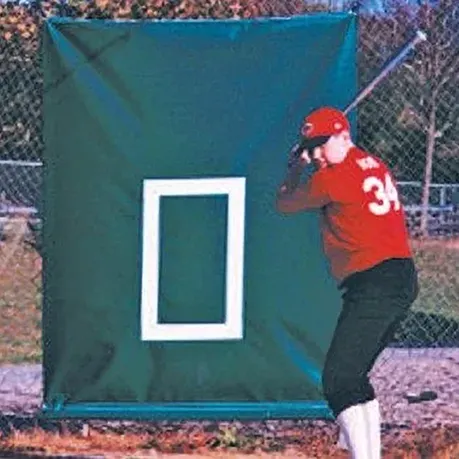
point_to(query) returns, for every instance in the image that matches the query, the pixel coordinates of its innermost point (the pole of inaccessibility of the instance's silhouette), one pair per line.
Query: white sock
(342, 440)
(373, 419)
(353, 425)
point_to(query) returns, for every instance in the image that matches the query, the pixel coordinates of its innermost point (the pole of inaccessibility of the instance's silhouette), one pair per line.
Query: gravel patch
(397, 373)
(21, 389)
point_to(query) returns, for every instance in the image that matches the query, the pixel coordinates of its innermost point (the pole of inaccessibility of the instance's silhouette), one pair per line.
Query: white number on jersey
(367, 163)
(385, 193)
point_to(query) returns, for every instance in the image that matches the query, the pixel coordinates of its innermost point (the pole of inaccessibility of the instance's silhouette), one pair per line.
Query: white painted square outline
(232, 328)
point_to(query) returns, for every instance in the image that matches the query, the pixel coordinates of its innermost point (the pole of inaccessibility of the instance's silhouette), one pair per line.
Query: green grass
(438, 264)
(20, 295)
(20, 305)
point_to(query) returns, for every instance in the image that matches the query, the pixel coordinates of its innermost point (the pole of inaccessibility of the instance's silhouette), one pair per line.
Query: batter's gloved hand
(298, 156)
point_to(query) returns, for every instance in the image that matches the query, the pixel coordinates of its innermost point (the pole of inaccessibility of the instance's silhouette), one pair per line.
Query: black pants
(374, 303)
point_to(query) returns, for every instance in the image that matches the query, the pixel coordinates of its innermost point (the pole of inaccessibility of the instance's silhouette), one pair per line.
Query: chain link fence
(410, 120)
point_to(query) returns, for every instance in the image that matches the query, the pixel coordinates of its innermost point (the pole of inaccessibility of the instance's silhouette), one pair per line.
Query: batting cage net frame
(410, 120)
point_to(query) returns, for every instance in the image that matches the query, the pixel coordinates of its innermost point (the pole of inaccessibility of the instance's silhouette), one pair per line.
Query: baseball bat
(391, 65)
(395, 61)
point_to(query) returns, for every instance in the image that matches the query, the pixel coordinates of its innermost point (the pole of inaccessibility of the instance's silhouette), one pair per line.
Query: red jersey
(362, 218)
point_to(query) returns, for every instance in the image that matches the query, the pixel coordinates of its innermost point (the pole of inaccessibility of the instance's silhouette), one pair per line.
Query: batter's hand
(298, 157)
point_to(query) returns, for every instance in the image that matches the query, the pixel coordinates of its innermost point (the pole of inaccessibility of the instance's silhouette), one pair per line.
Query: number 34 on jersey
(384, 192)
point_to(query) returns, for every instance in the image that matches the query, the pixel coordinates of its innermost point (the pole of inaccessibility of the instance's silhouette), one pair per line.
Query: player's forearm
(292, 179)
(286, 201)
(293, 196)
(285, 204)
(289, 203)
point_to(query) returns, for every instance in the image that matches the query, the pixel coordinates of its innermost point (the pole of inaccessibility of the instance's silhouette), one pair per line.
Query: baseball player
(366, 242)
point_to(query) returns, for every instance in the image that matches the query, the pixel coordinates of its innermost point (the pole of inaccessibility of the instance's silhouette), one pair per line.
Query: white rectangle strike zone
(153, 190)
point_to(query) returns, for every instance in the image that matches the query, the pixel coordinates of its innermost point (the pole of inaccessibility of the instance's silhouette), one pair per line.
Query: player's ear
(346, 136)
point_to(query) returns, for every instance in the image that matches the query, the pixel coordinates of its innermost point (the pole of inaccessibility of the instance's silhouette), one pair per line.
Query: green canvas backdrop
(129, 106)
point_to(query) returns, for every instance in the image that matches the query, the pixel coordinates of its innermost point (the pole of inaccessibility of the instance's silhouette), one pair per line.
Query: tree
(411, 118)
(433, 106)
